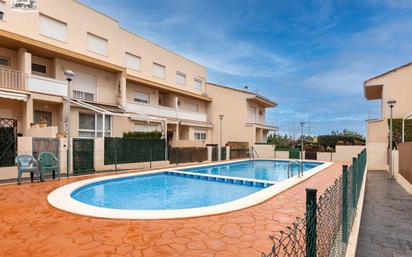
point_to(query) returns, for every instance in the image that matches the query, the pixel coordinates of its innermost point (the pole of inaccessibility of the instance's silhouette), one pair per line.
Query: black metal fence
(325, 228)
(118, 150)
(8, 142)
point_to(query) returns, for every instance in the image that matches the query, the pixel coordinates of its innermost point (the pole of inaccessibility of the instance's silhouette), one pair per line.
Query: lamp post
(391, 104)
(301, 143)
(69, 77)
(220, 139)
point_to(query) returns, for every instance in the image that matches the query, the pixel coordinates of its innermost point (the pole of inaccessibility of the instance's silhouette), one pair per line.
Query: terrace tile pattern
(30, 227)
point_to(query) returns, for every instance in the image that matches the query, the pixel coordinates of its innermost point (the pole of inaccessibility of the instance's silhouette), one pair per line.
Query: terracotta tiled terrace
(29, 226)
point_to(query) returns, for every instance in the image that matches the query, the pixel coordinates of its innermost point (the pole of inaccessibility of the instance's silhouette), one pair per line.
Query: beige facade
(392, 85)
(111, 65)
(123, 82)
(244, 115)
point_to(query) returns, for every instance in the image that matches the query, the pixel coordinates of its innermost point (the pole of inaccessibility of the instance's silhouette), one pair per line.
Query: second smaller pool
(269, 170)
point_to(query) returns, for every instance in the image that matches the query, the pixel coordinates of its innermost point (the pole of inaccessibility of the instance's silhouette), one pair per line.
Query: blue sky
(309, 56)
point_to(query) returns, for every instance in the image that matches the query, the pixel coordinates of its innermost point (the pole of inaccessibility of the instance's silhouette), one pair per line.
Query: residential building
(123, 82)
(244, 115)
(391, 85)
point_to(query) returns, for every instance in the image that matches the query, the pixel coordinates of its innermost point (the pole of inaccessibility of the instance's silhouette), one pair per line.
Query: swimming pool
(269, 170)
(195, 191)
(161, 191)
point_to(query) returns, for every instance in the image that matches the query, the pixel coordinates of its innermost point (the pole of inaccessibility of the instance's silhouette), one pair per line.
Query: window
(144, 127)
(180, 78)
(159, 70)
(198, 84)
(200, 135)
(90, 125)
(193, 107)
(97, 44)
(84, 87)
(2, 10)
(53, 28)
(41, 117)
(133, 62)
(107, 125)
(38, 68)
(4, 61)
(141, 97)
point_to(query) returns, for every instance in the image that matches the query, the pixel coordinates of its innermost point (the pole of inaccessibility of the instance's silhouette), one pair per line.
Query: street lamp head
(221, 116)
(69, 75)
(302, 123)
(391, 103)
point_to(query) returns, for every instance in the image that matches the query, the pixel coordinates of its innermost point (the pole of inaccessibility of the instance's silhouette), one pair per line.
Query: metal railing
(326, 226)
(12, 79)
(253, 153)
(299, 164)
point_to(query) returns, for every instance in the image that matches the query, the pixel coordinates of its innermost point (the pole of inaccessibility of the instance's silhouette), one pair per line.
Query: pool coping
(61, 198)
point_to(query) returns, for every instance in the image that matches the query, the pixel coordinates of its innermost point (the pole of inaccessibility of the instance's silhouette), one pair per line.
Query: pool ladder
(253, 153)
(300, 168)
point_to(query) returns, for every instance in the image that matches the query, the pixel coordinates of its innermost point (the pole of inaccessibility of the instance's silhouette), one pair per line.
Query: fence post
(311, 222)
(177, 156)
(345, 203)
(359, 177)
(115, 153)
(150, 157)
(354, 181)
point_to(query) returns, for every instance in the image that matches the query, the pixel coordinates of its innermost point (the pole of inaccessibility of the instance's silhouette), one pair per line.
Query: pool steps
(223, 179)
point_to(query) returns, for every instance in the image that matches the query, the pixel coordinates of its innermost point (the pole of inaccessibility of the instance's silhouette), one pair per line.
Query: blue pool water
(160, 191)
(259, 169)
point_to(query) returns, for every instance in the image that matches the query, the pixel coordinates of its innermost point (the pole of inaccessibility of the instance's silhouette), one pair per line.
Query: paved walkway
(30, 227)
(386, 227)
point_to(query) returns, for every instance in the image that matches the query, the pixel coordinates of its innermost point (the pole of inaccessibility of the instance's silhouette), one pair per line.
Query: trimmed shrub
(143, 135)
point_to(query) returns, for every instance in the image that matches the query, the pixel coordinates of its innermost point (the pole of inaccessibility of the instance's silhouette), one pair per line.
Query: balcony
(12, 79)
(166, 112)
(47, 85)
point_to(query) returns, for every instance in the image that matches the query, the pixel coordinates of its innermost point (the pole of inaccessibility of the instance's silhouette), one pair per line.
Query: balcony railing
(47, 85)
(12, 79)
(163, 111)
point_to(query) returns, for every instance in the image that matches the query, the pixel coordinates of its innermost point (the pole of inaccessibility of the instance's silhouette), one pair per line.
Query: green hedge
(330, 141)
(144, 135)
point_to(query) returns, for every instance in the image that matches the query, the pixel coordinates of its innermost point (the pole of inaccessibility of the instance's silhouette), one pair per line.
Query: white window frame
(95, 130)
(57, 36)
(200, 135)
(193, 104)
(91, 36)
(140, 100)
(195, 85)
(181, 75)
(129, 57)
(146, 126)
(158, 65)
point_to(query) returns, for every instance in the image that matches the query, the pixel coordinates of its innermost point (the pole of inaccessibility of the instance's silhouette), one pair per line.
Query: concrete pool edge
(61, 198)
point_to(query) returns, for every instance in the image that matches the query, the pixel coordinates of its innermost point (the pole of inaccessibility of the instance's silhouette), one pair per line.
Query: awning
(373, 92)
(113, 111)
(195, 124)
(263, 126)
(145, 118)
(15, 96)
